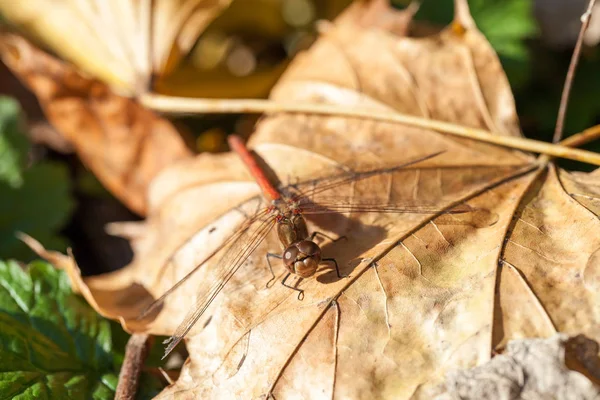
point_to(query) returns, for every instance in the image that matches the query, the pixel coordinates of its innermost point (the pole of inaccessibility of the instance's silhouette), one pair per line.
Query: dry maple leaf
(124, 44)
(123, 143)
(424, 294)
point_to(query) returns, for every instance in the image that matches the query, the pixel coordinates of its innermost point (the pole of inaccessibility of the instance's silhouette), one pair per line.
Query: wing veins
(344, 205)
(352, 176)
(239, 232)
(235, 258)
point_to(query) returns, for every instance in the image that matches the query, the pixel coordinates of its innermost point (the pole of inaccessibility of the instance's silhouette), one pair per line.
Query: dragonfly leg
(315, 233)
(334, 262)
(272, 280)
(300, 291)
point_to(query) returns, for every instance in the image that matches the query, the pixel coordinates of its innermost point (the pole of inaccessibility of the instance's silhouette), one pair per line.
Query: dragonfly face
(302, 258)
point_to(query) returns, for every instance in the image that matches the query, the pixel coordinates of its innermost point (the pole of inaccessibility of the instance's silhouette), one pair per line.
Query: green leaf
(40, 207)
(35, 200)
(13, 143)
(53, 345)
(507, 24)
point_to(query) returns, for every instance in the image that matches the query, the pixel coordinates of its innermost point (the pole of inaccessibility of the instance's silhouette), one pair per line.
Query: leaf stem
(564, 98)
(183, 105)
(136, 352)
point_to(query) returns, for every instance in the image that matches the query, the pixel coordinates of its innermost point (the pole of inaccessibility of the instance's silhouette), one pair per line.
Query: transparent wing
(234, 257)
(313, 197)
(309, 188)
(348, 204)
(231, 239)
(461, 214)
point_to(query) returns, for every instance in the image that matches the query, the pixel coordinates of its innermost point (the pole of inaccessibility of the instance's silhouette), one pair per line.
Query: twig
(581, 138)
(136, 351)
(564, 98)
(166, 375)
(183, 105)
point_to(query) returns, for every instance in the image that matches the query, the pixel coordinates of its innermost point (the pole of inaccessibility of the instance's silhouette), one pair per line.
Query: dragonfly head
(302, 258)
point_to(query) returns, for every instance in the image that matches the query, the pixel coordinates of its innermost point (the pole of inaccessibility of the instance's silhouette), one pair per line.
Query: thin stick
(564, 98)
(237, 145)
(578, 139)
(182, 105)
(581, 138)
(166, 376)
(136, 352)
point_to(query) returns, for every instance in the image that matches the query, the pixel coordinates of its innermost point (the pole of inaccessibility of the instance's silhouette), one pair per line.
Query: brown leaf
(424, 294)
(124, 144)
(38, 128)
(122, 42)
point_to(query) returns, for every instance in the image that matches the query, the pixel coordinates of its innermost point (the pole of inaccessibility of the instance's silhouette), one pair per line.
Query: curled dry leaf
(122, 42)
(124, 144)
(424, 294)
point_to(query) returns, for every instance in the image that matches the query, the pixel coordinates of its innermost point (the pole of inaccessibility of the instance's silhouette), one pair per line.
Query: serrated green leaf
(40, 207)
(13, 143)
(53, 345)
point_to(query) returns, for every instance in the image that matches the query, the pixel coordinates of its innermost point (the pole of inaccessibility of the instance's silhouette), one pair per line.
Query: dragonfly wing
(460, 214)
(312, 187)
(231, 239)
(232, 260)
(330, 204)
(313, 197)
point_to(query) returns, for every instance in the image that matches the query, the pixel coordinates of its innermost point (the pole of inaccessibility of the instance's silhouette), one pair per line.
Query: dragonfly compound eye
(289, 257)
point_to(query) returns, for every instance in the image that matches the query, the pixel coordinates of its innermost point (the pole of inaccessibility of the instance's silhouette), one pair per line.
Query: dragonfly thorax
(291, 228)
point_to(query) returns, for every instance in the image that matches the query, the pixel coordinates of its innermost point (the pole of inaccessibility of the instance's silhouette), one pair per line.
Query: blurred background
(241, 54)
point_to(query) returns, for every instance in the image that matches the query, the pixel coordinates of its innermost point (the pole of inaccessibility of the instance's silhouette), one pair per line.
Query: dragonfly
(301, 255)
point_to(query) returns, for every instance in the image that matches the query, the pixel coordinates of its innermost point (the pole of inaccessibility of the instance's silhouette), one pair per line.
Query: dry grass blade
(180, 105)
